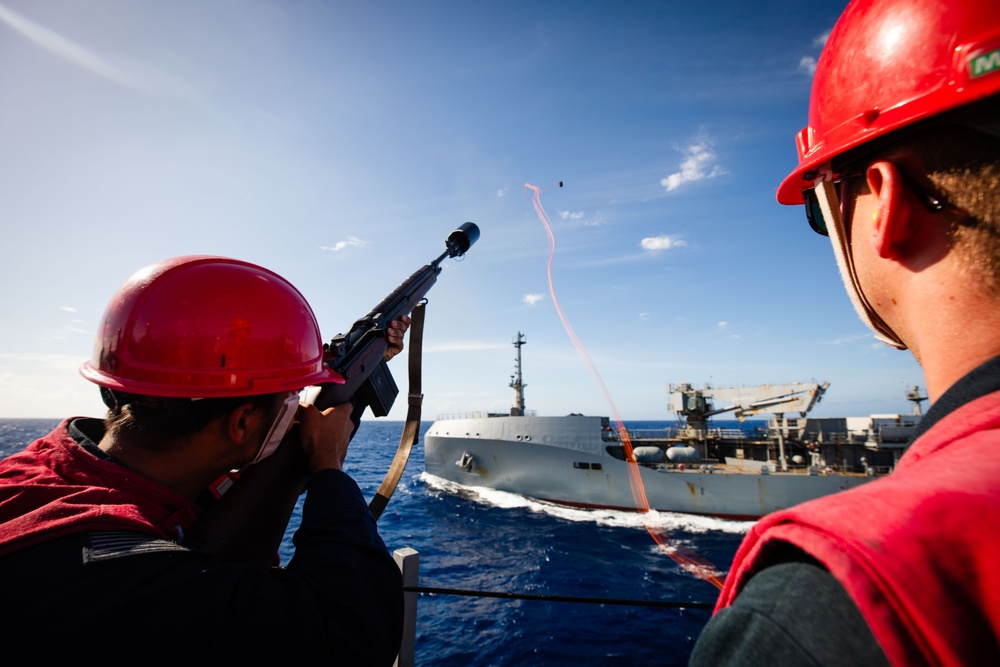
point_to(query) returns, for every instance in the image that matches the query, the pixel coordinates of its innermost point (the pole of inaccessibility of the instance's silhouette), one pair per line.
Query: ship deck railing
(680, 432)
(479, 414)
(408, 561)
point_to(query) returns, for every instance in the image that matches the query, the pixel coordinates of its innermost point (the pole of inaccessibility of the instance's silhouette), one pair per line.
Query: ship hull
(566, 460)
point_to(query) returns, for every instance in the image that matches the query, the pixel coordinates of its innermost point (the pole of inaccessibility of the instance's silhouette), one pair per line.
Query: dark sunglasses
(930, 201)
(814, 214)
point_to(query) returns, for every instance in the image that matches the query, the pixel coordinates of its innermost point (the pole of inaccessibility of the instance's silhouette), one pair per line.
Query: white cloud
(725, 327)
(698, 164)
(68, 309)
(353, 241)
(131, 75)
(532, 299)
(662, 243)
(581, 218)
(502, 192)
(808, 63)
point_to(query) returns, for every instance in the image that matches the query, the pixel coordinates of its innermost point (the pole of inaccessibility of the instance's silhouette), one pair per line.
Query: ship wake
(668, 522)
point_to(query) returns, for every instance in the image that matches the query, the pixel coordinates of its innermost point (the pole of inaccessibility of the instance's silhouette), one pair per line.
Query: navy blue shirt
(128, 598)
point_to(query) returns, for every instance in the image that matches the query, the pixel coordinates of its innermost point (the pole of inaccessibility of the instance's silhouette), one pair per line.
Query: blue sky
(338, 143)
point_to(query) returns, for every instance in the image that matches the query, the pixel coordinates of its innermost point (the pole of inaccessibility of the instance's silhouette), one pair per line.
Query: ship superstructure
(693, 467)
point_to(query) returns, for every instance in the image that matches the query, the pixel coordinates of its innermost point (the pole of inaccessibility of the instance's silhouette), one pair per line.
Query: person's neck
(179, 471)
(954, 329)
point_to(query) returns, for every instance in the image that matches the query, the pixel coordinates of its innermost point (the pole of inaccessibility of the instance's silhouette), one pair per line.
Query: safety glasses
(814, 213)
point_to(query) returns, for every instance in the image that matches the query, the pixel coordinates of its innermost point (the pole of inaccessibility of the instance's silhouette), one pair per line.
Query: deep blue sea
(501, 542)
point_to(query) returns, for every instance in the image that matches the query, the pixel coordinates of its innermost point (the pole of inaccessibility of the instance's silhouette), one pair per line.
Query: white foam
(664, 521)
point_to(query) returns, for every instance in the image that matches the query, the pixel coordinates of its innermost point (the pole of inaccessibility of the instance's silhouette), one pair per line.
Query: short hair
(960, 156)
(159, 424)
(964, 166)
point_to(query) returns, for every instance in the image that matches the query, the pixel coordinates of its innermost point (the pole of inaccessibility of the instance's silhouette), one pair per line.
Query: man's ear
(239, 423)
(897, 214)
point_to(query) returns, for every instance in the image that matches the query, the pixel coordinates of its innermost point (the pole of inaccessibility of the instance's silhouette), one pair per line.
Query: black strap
(411, 430)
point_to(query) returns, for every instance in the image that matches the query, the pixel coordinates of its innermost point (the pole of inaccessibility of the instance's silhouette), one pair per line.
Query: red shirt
(918, 550)
(55, 487)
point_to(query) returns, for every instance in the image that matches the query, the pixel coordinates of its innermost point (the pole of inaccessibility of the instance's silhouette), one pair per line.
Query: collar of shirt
(983, 380)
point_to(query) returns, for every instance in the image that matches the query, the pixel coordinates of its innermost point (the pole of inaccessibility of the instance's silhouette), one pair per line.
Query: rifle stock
(248, 522)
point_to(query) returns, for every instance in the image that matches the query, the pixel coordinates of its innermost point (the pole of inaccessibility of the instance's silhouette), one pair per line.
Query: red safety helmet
(208, 327)
(889, 64)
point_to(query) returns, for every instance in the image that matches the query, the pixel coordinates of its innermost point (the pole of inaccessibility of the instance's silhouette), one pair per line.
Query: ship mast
(916, 398)
(517, 410)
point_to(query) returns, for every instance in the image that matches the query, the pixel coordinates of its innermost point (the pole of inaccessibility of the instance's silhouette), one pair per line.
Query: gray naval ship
(585, 461)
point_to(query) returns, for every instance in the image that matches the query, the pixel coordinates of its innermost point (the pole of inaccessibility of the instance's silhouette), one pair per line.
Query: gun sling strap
(411, 430)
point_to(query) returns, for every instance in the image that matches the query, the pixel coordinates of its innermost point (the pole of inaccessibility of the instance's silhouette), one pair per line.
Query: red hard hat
(208, 327)
(889, 64)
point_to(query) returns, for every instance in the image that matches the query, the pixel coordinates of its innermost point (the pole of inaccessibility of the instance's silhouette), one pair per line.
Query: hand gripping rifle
(249, 520)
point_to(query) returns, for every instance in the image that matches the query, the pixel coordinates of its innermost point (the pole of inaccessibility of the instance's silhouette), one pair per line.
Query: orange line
(684, 557)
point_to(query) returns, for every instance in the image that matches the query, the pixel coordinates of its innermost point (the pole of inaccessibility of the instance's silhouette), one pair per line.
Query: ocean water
(499, 542)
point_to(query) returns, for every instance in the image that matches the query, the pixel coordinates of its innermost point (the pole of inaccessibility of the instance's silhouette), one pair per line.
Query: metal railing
(408, 561)
(479, 414)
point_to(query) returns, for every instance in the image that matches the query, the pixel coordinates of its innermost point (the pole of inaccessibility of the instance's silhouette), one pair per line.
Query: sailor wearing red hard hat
(200, 361)
(900, 166)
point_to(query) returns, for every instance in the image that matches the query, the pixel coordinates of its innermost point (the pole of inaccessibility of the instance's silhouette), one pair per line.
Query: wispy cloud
(808, 63)
(699, 163)
(43, 362)
(352, 241)
(65, 333)
(819, 41)
(851, 338)
(502, 192)
(69, 328)
(136, 77)
(725, 328)
(581, 218)
(664, 242)
(532, 299)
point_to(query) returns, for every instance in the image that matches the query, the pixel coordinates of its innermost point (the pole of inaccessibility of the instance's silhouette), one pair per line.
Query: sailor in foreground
(900, 166)
(200, 360)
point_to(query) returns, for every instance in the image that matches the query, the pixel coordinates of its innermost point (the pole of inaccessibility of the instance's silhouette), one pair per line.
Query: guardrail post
(408, 561)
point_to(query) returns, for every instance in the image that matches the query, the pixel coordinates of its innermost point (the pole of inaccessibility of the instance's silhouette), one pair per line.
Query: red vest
(55, 487)
(918, 551)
